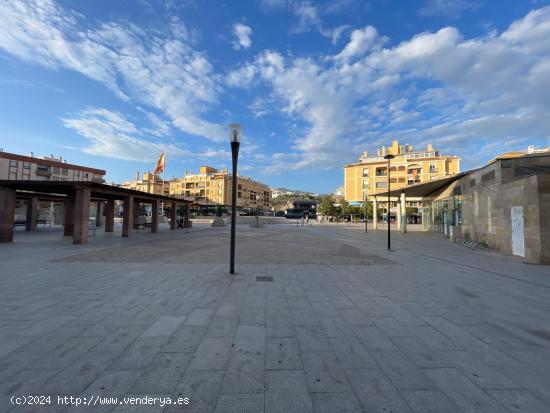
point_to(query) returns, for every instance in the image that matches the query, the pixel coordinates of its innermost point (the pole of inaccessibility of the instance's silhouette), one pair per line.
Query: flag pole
(163, 173)
(162, 178)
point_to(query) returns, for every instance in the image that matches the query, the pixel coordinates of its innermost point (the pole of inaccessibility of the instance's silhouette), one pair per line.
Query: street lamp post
(389, 157)
(235, 133)
(366, 212)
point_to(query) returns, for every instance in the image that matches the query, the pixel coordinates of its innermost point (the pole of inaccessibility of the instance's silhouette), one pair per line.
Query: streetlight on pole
(366, 212)
(389, 157)
(235, 133)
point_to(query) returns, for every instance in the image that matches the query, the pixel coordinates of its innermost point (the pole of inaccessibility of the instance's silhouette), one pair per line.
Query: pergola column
(173, 214)
(399, 220)
(155, 205)
(403, 207)
(136, 214)
(186, 221)
(81, 216)
(68, 224)
(32, 214)
(99, 213)
(110, 215)
(375, 214)
(7, 214)
(128, 216)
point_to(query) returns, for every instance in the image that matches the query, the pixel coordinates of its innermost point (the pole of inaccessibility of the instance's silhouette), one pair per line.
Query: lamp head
(235, 132)
(389, 156)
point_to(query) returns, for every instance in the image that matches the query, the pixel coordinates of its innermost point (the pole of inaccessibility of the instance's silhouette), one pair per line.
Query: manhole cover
(264, 278)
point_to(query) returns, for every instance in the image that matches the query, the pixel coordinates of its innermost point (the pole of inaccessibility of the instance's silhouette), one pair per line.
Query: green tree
(327, 206)
(356, 212)
(345, 208)
(368, 210)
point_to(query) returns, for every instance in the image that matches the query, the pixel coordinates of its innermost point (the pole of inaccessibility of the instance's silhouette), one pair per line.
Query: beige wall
(401, 166)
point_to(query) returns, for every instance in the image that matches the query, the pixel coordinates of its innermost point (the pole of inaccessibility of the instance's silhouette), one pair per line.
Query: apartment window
(433, 168)
(506, 163)
(365, 171)
(12, 169)
(26, 165)
(365, 183)
(381, 185)
(64, 172)
(56, 170)
(472, 182)
(381, 172)
(239, 194)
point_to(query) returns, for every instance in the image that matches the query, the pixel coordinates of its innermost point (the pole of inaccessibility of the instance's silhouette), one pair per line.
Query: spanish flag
(160, 164)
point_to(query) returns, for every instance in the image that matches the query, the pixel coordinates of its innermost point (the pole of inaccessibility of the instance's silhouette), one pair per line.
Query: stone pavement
(343, 326)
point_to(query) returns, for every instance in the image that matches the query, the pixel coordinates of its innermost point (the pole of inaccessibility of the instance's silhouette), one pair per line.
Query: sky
(112, 84)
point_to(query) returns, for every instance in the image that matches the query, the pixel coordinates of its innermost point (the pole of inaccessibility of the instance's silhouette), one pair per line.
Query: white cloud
(160, 70)
(243, 36)
(241, 77)
(111, 135)
(493, 88)
(309, 17)
(362, 41)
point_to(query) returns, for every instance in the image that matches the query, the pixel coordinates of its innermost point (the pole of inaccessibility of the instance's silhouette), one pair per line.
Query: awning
(426, 188)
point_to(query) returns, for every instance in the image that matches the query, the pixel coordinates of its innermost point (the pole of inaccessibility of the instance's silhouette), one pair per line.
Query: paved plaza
(319, 318)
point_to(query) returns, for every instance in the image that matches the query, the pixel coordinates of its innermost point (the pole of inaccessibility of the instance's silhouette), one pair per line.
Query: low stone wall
(245, 220)
(248, 220)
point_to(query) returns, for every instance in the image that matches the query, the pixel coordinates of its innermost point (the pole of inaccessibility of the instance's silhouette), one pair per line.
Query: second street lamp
(389, 157)
(235, 133)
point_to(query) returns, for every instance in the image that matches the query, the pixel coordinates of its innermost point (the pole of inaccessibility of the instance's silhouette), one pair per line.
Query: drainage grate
(264, 278)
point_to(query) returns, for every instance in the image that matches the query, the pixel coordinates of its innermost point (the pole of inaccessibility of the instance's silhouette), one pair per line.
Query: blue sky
(111, 84)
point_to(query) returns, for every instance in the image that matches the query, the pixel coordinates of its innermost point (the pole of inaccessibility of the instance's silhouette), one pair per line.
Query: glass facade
(440, 215)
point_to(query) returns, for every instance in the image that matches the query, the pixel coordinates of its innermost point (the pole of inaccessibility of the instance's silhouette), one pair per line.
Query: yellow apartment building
(369, 176)
(213, 187)
(151, 183)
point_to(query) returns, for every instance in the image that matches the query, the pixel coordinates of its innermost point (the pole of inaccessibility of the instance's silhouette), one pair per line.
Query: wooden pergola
(76, 196)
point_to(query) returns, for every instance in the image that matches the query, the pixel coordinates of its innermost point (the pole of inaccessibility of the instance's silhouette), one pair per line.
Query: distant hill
(285, 191)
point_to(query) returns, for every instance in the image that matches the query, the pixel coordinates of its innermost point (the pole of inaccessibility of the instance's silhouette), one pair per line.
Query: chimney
(531, 149)
(430, 147)
(137, 176)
